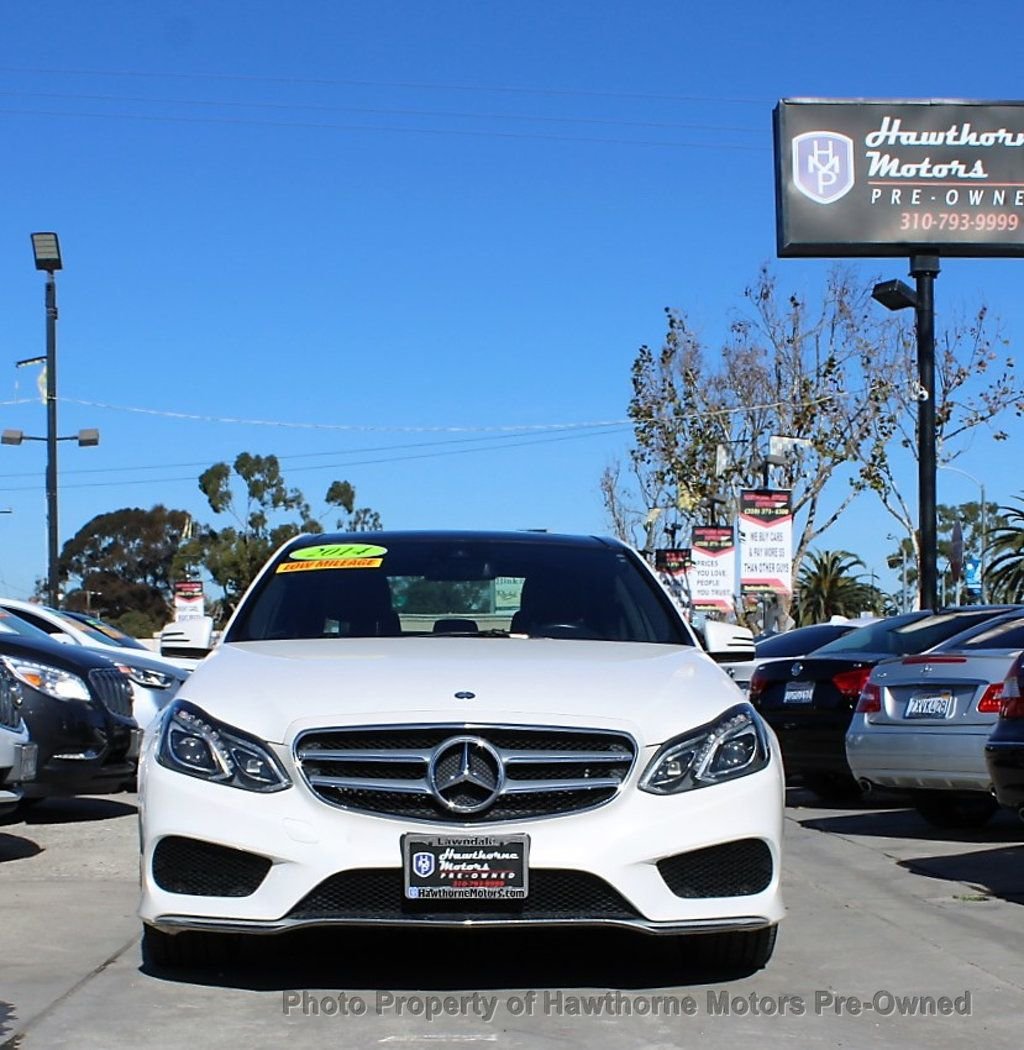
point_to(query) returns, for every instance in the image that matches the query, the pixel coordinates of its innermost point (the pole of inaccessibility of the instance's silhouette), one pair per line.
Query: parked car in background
(787, 644)
(78, 708)
(154, 680)
(456, 729)
(809, 702)
(922, 722)
(1004, 752)
(17, 752)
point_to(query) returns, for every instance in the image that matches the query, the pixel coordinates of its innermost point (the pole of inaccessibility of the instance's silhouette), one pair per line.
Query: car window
(801, 641)
(443, 587)
(904, 635)
(1005, 634)
(11, 624)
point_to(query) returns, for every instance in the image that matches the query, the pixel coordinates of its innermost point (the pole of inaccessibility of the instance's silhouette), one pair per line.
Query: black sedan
(78, 707)
(809, 702)
(1004, 752)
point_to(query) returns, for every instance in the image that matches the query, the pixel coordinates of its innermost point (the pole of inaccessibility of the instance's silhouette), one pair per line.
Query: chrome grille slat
(543, 771)
(114, 690)
(407, 787)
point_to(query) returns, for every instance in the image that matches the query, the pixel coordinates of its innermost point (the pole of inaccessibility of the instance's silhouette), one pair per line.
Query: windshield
(100, 631)
(11, 624)
(905, 635)
(801, 641)
(1004, 633)
(397, 586)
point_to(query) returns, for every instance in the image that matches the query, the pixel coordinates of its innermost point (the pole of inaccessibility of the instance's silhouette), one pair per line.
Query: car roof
(526, 536)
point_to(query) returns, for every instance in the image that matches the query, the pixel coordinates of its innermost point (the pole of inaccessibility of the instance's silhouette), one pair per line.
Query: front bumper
(598, 867)
(1005, 760)
(906, 757)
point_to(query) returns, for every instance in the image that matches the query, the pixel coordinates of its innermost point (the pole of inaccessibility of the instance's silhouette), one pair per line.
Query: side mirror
(191, 639)
(727, 643)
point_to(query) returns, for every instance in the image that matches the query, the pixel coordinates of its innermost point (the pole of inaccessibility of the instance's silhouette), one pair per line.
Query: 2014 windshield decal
(335, 556)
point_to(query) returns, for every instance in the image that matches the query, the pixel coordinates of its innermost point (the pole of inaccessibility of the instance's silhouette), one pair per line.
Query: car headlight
(732, 746)
(193, 743)
(148, 678)
(53, 681)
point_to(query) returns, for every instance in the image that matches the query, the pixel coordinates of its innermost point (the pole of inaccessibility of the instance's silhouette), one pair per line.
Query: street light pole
(52, 533)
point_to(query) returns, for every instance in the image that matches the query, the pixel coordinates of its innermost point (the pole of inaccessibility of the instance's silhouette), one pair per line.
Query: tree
(1004, 573)
(828, 586)
(838, 375)
(267, 513)
(122, 564)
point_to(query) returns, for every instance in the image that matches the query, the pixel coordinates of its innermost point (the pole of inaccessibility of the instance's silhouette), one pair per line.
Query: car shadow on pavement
(908, 824)
(360, 959)
(77, 810)
(7, 1018)
(994, 873)
(14, 847)
(798, 797)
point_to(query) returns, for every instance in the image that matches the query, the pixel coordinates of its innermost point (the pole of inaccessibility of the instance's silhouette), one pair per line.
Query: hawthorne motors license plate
(477, 867)
(798, 693)
(930, 705)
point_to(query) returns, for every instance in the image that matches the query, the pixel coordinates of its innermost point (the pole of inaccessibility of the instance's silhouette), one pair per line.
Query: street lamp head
(894, 295)
(46, 249)
(88, 438)
(11, 437)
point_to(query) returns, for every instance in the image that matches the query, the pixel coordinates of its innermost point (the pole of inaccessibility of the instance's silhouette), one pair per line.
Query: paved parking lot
(882, 911)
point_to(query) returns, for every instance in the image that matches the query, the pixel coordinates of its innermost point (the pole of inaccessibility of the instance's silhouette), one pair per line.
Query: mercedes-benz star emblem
(466, 774)
(796, 669)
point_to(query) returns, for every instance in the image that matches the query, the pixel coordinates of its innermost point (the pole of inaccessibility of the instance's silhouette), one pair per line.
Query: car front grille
(10, 699)
(377, 894)
(465, 773)
(113, 689)
(206, 869)
(730, 869)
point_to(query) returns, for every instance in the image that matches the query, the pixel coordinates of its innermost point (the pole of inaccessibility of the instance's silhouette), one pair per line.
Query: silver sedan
(922, 722)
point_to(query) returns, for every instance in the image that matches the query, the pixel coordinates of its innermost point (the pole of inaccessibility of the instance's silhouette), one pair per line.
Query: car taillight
(756, 688)
(850, 683)
(870, 700)
(991, 701)
(1013, 701)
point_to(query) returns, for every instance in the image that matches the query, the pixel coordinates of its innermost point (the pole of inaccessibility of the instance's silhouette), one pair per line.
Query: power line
(378, 111)
(405, 85)
(388, 129)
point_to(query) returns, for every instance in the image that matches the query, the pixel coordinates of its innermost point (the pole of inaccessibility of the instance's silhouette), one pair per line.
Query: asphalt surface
(882, 909)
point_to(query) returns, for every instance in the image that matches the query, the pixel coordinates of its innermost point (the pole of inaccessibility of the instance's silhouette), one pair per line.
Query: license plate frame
(465, 867)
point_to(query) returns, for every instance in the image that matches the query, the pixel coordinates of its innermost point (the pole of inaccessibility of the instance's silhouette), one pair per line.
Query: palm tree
(828, 586)
(1004, 573)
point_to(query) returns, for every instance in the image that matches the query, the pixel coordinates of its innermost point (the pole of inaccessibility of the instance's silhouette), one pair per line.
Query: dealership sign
(857, 177)
(712, 572)
(766, 542)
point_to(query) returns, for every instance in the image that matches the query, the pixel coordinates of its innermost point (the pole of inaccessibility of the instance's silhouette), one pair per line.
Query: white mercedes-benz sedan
(455, 728)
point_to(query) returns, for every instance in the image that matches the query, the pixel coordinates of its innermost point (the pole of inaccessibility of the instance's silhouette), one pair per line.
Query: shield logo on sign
(823, 165)
(423, 864)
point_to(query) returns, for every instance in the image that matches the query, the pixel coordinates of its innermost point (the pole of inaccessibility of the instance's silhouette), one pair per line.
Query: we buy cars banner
(712, 572)
(766, 542)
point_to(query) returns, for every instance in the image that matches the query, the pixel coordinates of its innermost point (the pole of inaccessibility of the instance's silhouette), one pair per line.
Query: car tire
(736, 953)
(191, 949)
(950, 811)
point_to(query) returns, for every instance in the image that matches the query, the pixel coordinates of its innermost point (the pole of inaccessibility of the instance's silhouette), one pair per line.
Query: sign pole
(924, 269)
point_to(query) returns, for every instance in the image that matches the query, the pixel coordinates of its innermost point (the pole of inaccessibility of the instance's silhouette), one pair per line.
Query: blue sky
(402, 234)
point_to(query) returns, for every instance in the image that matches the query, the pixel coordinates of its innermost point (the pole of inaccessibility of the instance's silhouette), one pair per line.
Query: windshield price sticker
(476, 867)
(330, 563)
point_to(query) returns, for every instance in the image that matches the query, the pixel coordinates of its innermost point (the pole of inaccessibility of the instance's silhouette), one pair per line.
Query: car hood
(277, 689)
